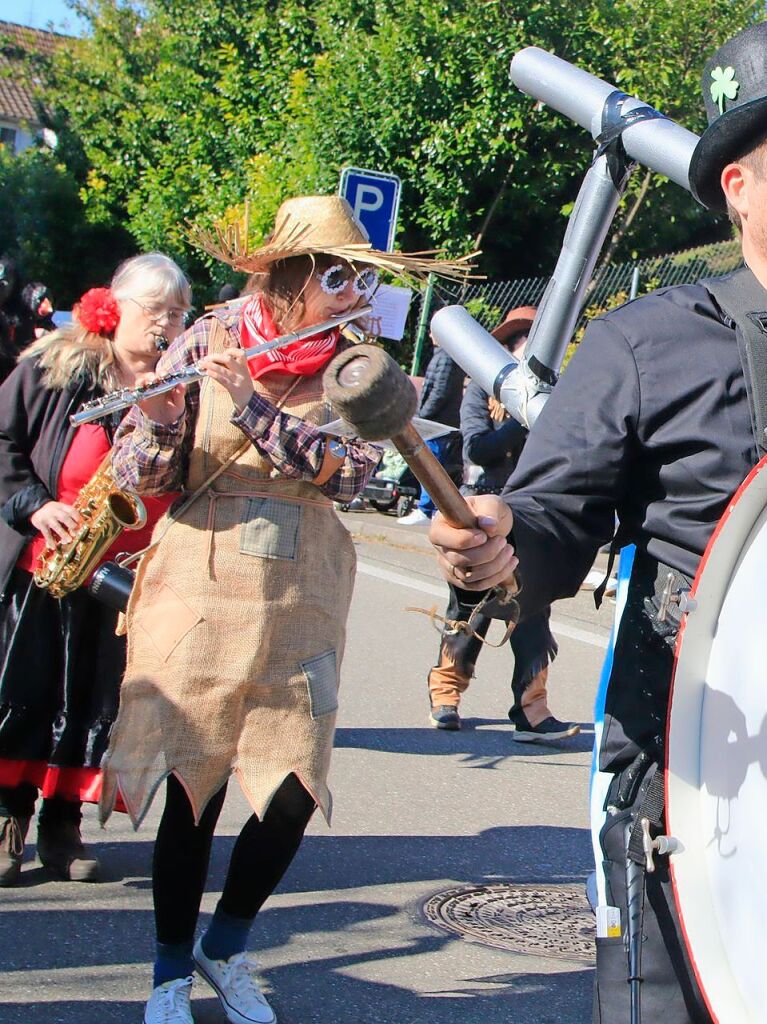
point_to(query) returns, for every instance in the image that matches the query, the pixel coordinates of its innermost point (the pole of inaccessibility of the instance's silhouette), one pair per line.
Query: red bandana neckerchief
(301, 358)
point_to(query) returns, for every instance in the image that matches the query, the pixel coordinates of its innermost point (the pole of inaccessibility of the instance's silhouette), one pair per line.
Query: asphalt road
(417, 812)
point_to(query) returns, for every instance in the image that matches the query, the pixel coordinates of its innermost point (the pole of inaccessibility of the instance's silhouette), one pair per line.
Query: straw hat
(308, 225)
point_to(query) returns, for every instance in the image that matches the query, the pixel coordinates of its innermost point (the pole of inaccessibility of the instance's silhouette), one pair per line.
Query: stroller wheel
(404, 505)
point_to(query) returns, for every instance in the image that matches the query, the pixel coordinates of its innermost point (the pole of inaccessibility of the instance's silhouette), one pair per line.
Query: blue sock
(173, 961)
(226, 935)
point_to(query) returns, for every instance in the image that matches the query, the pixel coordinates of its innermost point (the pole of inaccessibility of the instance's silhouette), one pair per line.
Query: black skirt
(60, 671)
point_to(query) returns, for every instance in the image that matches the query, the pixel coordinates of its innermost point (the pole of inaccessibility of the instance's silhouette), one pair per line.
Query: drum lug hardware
(660, 845)
(682, 599)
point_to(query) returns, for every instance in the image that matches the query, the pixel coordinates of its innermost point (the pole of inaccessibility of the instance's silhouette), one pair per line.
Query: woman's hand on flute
(480, 558)
(230, 369)
(165, 408)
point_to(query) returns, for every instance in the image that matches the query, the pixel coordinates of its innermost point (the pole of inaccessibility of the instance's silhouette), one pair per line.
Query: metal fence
(489, 301)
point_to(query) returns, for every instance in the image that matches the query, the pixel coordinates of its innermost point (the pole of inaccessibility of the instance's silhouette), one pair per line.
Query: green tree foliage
(179, 111)
(45, 230)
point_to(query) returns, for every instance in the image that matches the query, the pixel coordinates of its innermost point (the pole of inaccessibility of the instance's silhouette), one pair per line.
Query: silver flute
(125, 397)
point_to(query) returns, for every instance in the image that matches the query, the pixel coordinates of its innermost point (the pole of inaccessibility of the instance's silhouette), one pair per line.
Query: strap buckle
(680, 598)
(661, 845)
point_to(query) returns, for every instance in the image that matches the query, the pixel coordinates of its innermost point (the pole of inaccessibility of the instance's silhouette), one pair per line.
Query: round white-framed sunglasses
(336, 278)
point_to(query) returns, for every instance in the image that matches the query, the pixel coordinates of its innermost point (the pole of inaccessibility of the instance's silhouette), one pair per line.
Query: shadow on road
(341, 938)
(474, 740)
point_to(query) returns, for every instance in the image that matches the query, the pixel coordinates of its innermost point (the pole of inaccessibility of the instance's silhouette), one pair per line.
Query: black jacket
(494, 445)
(442, 390)
(35, 435)
(650, 421)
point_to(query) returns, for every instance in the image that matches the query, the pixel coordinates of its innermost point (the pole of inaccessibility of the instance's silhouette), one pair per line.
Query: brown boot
(13, 832)
(61, 850)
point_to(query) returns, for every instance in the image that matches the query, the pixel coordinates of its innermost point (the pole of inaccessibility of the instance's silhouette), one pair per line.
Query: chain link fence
(489, 301)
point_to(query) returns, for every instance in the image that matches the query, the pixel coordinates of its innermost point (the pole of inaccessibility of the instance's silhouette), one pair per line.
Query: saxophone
(106, 511)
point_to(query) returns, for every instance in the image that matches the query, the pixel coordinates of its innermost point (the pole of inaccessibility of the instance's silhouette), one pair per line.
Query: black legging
(262, 854)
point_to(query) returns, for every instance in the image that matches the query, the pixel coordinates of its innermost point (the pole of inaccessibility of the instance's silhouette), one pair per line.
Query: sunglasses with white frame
(336, 278)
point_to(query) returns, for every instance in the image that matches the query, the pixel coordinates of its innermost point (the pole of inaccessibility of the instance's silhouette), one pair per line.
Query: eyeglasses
(174, 316)
(336, 278)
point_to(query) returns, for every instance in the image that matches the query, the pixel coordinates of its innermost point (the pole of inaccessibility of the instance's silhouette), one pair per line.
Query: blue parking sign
(374, 197)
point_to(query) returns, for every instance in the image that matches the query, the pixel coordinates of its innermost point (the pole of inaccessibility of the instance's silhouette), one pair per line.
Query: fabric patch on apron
(270, 528)
(167, 620)
(322, 682)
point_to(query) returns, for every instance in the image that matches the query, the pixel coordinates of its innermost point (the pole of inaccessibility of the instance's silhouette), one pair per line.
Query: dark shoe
(61, 850)
(445, 716)
(13, 832)
(548, 731)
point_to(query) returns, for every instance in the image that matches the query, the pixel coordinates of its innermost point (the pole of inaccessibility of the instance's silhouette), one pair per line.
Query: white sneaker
(414, 518)
(236, 986)
(169, 1003)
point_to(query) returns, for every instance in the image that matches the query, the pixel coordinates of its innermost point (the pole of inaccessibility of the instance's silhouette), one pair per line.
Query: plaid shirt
(153, 458)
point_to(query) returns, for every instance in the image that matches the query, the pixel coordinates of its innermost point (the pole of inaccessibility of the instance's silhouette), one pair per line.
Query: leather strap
(744, 301)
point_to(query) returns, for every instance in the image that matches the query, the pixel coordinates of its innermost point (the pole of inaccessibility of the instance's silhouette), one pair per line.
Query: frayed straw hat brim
(333, 231)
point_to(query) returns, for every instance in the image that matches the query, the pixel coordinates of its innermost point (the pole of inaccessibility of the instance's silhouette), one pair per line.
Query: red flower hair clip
(98, 311)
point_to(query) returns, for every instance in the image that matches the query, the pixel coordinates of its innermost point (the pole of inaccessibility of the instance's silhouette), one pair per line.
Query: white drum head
(716, 783)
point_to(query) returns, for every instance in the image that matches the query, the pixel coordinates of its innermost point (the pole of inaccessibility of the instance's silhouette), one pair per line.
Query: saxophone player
(60, 660)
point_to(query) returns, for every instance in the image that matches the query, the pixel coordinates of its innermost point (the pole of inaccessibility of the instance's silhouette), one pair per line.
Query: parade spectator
(37, 303)
(653, 421)
(440, 400)
(10, 294)
(237, 628)
(60, 661)
(494, 440)
(227, 292)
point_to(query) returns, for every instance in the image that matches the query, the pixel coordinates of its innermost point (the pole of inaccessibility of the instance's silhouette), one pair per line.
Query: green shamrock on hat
(724, 85)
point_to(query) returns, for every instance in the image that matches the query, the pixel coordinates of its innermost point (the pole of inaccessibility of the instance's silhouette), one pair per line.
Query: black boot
(59, 843)
(13, 832)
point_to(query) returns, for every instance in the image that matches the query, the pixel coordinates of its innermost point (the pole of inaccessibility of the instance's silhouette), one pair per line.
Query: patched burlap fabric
(236, 627)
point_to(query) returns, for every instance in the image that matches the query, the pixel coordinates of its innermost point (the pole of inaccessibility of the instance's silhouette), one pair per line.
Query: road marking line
(440, 590)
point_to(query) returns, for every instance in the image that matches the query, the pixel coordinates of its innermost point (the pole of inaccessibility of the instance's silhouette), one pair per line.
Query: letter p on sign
(374, 199)
(369, 198)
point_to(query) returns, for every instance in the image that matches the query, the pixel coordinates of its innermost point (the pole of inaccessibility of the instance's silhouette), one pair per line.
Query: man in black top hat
(653, 421)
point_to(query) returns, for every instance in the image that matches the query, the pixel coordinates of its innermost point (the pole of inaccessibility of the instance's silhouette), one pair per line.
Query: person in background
(60, 660)
(227, 292)
(494, 440)
(440, 400)
(10, 298)
(37, 302)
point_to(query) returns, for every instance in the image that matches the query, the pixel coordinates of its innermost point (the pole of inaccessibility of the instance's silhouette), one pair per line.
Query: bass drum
(716, 779)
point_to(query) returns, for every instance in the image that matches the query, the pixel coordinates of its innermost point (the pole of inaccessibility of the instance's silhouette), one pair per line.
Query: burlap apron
(236, 627)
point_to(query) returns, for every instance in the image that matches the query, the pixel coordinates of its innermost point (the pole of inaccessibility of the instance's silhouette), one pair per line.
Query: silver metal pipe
(662, 145)
(657, 143)
(486, 361)
(560, 307)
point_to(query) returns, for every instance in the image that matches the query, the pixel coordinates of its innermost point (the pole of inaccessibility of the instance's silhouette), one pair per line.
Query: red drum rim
(696, 869)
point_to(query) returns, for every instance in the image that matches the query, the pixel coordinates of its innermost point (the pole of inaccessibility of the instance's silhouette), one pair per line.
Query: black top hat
(735, 90)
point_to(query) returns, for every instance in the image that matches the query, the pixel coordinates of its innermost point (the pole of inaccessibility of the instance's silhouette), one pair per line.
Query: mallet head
(371, 392)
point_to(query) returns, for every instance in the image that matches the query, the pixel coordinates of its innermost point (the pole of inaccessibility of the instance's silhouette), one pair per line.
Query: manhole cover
(544, 920)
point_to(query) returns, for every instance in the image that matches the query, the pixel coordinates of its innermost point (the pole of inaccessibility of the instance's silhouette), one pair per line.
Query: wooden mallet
(370, 391)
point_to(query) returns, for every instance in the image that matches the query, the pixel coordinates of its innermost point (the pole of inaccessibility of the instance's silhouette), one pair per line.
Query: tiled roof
(16, 85)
